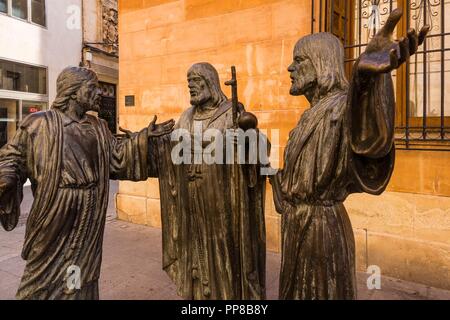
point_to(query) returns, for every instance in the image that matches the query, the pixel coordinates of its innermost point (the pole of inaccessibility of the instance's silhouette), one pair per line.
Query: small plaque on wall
(129, 101)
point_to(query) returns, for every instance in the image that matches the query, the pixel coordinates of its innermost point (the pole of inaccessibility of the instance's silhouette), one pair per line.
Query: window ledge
(23, 20)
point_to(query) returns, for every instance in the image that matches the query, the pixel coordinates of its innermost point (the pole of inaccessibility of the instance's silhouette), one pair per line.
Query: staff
(234, 95)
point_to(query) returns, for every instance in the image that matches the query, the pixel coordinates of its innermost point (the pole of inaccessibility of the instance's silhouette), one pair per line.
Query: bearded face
(198, 89)
(303, 74)
(88, 96)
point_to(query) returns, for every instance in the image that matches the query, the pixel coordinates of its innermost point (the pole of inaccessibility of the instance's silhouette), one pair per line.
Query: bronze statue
(69, 157)
(212, 213)
(343, 144)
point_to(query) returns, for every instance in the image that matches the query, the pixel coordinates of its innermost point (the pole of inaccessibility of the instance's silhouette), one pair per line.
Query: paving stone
(7, 279)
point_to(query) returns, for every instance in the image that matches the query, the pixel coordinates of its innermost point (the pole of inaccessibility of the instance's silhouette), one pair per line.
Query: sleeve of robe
(128, 155)
(160, 166)
(371, 114)
(13, 166)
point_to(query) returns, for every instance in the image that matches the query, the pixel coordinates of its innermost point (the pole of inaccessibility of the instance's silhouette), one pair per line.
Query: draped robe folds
(212, 220)
(344, 144)
(67, 219)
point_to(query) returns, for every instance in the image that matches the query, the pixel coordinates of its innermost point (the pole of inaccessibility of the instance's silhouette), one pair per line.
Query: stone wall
(406, 231)
(160, 40)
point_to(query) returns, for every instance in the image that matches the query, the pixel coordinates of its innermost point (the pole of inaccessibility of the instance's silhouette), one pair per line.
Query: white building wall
(55, 47)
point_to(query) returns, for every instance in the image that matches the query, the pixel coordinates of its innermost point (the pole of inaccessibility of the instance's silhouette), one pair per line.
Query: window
(11, 112)
(21, 77)
(423, 103)
(3, 6)
(38, 12)
(23, 90)
(29, 107)
(30, 10)
(19, 9)
(9, 115)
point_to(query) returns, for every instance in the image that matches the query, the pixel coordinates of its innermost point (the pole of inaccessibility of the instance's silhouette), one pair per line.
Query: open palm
(383, 54)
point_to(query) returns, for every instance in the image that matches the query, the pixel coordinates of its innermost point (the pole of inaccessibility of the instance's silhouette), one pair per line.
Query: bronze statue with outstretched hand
(69, 157)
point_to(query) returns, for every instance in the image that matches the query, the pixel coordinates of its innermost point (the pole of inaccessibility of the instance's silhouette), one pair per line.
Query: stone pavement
(131, 266)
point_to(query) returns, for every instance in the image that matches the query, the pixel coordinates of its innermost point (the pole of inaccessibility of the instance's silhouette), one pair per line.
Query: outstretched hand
(157, 130)
(383, 54)
(128, 133)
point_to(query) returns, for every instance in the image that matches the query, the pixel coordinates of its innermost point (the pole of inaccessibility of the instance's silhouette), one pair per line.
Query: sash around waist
(91, 185)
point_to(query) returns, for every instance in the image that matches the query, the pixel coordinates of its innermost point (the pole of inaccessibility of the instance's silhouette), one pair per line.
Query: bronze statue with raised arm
(343, 144)
(69, 157)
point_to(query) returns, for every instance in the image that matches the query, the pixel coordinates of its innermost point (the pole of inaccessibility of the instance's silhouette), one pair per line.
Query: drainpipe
(367, 248)
(82, 62)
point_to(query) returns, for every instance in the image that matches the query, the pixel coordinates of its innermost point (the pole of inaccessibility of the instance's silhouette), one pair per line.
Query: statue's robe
(69, 164)
(212, 220)
(344, 144)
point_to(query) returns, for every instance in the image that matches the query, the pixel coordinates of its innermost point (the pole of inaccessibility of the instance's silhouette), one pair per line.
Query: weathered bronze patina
(343, 144)
(212, 214)
(69, 157)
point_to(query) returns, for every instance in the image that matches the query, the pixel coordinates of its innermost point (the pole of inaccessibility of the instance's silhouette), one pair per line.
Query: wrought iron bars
(362, 19)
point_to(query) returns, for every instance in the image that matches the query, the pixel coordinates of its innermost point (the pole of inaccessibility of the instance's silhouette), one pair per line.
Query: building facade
(405, 231)
(38, 39)
(101, 52)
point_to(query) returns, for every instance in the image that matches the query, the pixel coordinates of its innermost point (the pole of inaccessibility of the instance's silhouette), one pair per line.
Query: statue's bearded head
(204, 86)
(80, 85)
(318, 65)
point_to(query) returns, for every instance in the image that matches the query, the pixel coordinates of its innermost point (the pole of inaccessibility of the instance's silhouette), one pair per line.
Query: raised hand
(383, 54)
(157, 130)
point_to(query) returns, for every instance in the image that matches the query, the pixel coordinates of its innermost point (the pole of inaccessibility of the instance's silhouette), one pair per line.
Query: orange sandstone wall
(160, 40)
(406, 230)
